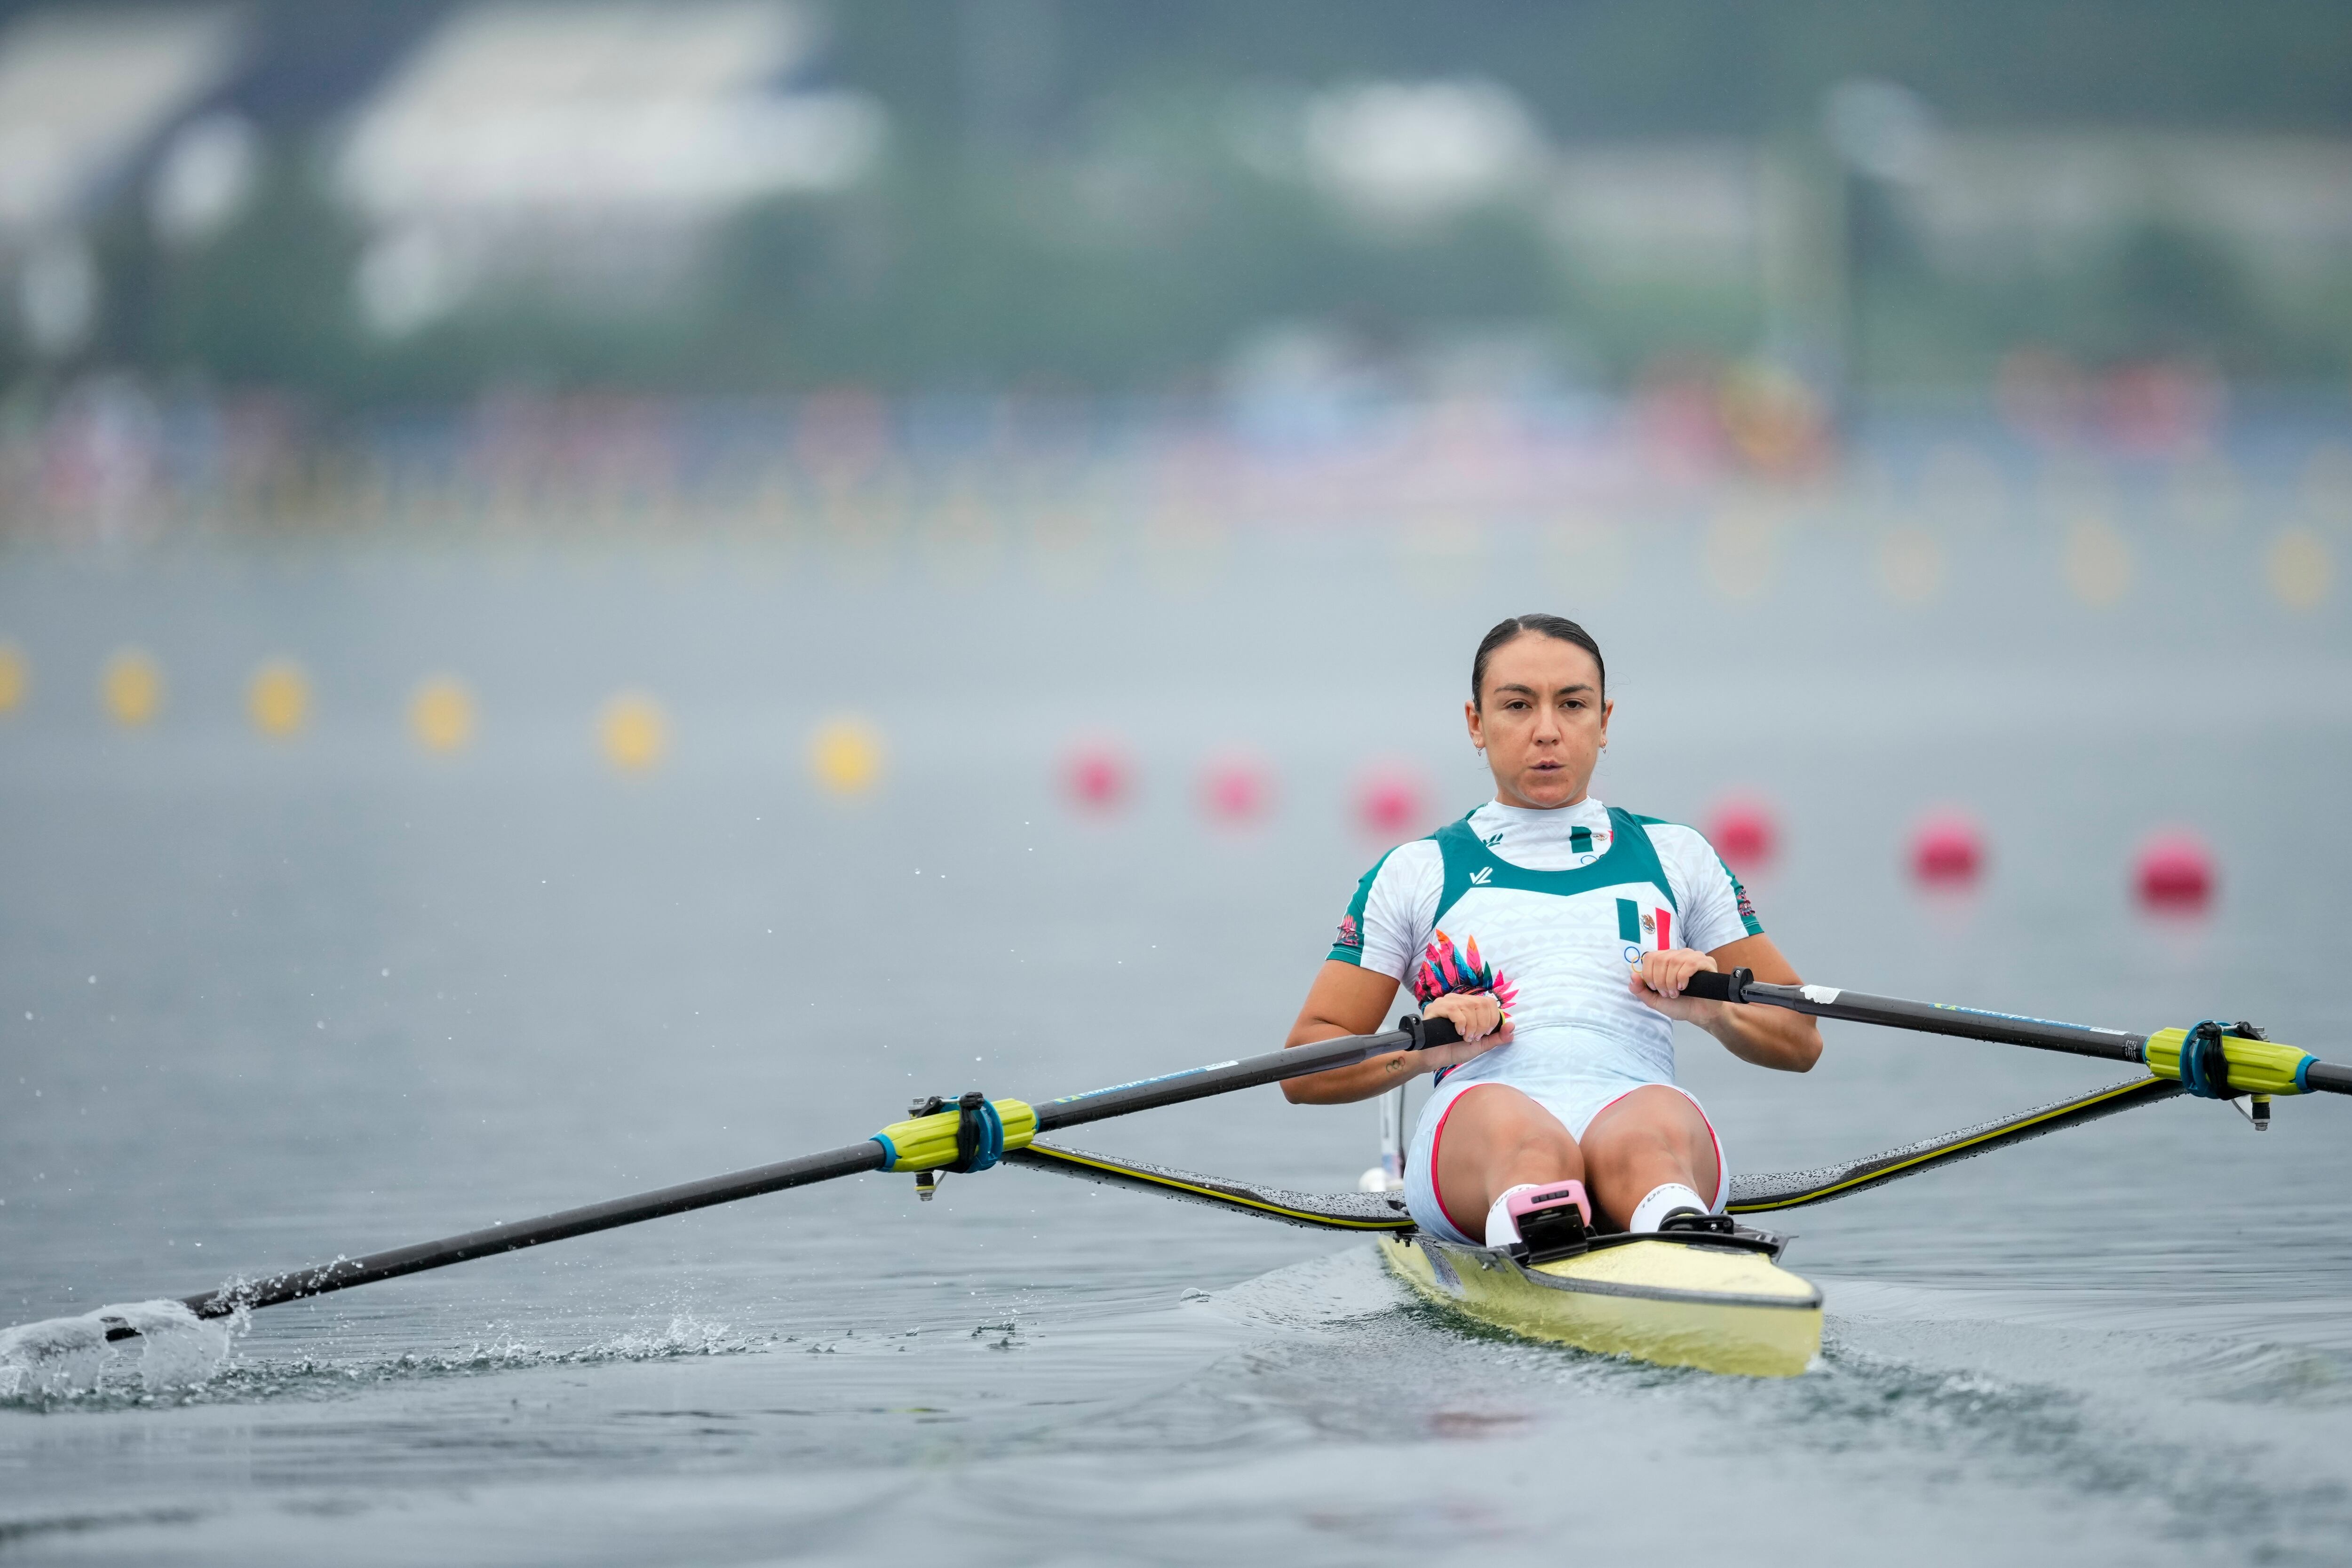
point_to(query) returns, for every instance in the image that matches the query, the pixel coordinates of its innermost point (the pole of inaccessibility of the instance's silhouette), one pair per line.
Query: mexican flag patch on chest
(1651, 927)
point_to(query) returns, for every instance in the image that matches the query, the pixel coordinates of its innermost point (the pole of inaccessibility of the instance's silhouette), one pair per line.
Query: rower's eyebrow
(1530, 691)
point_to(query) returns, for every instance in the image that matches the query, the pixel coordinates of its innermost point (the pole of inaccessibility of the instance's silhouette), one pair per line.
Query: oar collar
(2221, 1062)
(969, 1132)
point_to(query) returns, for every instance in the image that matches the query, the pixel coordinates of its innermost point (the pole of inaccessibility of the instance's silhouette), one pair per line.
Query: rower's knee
(1511, 1139)
(1648, 1132)
(1513, 1120)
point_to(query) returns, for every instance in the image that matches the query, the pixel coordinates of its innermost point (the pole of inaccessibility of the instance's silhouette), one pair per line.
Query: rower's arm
(1347, 999)
(1768, 1037)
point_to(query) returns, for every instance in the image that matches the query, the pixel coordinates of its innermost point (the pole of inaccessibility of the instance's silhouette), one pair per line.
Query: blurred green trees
(1086, 215)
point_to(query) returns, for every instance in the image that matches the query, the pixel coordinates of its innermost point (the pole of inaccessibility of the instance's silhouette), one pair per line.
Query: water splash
(181, 1359)
(686, 1336)
(68, 1357)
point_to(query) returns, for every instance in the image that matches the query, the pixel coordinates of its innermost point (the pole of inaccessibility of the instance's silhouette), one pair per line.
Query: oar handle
(1710, 986)
(1428, 1032)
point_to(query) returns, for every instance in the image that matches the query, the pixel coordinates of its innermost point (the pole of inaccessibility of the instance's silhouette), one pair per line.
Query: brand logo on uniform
(1480, 877)
(1349, 935)
(1492, 841)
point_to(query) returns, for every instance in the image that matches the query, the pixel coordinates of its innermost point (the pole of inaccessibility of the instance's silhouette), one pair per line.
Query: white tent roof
(514, 106)
(82, 91)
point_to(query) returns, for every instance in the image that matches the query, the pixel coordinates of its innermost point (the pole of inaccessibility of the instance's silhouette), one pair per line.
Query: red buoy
(1947, 851)
(2175, 874)
(1743, 833)
(1391, 803)
(1097, 775)
(1236, 790)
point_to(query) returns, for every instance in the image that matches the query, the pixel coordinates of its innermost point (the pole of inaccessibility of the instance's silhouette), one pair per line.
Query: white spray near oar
(63, 1356)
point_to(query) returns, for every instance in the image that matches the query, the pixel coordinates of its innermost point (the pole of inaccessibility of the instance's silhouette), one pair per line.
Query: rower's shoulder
(1416, 860)
(1671, 838)
(1654, 826)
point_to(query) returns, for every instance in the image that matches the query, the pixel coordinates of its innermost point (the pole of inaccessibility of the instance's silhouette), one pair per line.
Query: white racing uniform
(1547, 910)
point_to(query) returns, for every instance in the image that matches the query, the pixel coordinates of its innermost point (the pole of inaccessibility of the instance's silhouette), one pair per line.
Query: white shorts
(1575, 1113)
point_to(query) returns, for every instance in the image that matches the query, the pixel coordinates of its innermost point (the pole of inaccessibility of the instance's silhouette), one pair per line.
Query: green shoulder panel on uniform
(1754, 927)
(1350, 948)
(1629, 858)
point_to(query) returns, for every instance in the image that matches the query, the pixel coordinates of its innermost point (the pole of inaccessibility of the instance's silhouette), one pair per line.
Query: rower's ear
(1473, 719)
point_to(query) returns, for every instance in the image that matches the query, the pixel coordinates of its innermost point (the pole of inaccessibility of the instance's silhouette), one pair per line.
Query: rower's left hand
(1658, 979)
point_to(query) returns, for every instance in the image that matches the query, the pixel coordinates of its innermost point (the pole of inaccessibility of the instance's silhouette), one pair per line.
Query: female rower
(1557, 933)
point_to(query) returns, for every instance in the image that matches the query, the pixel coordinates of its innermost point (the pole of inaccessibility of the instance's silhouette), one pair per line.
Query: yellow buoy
(441, 714)
(1443, 555)
(1911, 565)
(847, 753)
(278, 698)
(2300, 569)
(1589, 556)
(15, 677)
(2098, 564)
(633, 732)
(132, 687)
(1740, 553)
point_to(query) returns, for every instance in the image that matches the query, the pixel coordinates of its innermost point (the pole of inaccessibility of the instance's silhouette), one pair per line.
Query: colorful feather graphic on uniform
(1445, 972)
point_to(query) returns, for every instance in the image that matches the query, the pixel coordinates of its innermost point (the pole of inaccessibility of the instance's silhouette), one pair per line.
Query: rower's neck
(1506, 799)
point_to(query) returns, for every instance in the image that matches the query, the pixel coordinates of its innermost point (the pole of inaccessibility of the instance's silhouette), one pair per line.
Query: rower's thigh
(1651, 1127)
(1488, 1124)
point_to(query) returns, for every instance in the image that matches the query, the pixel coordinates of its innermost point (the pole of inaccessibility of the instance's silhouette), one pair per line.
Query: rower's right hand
(1476, 1017)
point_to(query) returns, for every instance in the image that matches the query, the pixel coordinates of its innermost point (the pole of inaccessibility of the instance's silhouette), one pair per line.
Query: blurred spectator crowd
(280, 265)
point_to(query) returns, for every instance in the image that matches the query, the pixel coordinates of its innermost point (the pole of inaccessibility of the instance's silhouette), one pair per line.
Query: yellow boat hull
(1671, 1302)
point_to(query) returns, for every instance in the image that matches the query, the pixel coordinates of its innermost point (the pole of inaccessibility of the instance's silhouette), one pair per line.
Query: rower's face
(1543, 722)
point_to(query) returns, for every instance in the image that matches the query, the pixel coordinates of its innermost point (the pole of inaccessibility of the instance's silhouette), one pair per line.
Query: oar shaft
(344, 1273)
(1937, 1017)
(850, 1160)
(2328, 1075)
(2003, 1028)
(1249, 1072)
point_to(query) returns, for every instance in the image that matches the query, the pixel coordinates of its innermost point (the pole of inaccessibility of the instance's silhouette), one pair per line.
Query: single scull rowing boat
(1711, 1299)
(1721, 1302)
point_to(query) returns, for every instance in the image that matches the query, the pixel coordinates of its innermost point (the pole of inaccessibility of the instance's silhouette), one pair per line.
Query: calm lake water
(262, 1003)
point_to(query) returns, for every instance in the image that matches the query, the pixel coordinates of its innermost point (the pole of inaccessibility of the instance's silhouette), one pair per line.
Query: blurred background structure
(414, 263)
(593, 592)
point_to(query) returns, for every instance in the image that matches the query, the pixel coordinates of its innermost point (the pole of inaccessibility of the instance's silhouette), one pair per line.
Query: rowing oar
(967, 1133)
(2210, 1060)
